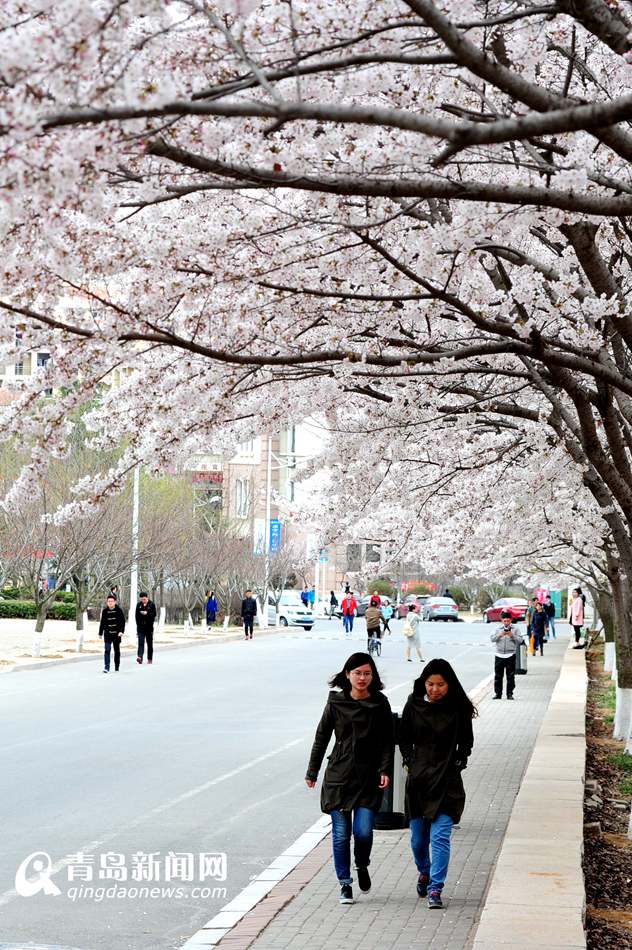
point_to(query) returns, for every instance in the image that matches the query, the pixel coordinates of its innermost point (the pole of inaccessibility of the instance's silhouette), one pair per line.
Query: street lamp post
(266, 538)
(133, 580)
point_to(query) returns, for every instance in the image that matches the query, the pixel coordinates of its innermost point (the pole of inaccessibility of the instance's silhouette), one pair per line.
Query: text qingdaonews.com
(119, 892)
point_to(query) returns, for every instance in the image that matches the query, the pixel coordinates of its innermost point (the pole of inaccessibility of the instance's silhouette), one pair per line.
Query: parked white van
(292, 611)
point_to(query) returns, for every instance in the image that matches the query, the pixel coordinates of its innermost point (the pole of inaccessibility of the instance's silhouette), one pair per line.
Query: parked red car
(417, 600)
(516, 606)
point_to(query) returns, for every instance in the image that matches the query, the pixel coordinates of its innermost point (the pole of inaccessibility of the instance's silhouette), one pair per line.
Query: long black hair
(341, 681)
(456, 695)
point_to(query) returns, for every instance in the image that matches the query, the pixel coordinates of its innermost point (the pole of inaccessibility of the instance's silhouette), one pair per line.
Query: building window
(23, 368)
(242, 497)
(42, 359)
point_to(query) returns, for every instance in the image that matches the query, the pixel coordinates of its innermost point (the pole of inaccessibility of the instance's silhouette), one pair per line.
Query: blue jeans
(432, 836)
(552, 627)
(348, 622)
(341, 829)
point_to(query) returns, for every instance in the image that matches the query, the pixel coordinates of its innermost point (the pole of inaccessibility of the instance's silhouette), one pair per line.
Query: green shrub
(13, 593)
(66, 597)
(383, 586)
(17, 609)
(62, 612)
(25, 610)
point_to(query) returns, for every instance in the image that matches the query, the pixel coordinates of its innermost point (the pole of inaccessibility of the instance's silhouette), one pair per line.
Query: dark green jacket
(435, 740)
(362, 752)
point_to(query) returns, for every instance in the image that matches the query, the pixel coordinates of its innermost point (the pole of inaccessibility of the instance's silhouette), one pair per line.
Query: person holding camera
(507, 640)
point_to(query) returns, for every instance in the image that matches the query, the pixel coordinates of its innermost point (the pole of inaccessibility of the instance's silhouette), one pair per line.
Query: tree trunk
(40, 620)
(623, 625)
(603, 602)
(41, 616)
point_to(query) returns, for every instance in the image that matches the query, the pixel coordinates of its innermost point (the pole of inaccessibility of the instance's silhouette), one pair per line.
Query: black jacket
(549, 610)
(112, 623)
(435, 740)
(539, 622)
(249, 607)
(362, 752)
(145, 617)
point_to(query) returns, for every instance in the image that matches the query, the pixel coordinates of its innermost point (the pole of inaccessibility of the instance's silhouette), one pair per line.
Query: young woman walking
(359, 715)
(436, 739)
(577, 613)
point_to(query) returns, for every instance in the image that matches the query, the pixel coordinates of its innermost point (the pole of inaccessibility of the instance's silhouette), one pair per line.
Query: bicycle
(375, 646)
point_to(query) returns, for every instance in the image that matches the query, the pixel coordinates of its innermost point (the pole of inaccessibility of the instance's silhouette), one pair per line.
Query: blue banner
(275, 535)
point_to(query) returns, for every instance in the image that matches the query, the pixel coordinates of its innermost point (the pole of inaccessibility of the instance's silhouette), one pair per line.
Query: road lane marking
(11, 894)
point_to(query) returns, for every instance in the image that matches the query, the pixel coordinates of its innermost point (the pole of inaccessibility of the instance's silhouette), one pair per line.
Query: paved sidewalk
(391, 916)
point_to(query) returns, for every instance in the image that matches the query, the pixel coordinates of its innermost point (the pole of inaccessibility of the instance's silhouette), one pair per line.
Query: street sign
(323, 557)
(275, 535)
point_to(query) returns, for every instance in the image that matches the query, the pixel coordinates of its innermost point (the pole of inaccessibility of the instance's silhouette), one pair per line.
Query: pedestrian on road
(145, 620)
(376, 600)
(436, 740)
(387, 613)
(248, 614)
(549, 610)
(507, 640)
(349, 610)
(576, 617)
(373, 617)
(305, 596)
(333, 603)
(359, 715)
(411, 632)
(540, 626)
(111, 628)
(211, 607)
(114, 590)
(528, 618)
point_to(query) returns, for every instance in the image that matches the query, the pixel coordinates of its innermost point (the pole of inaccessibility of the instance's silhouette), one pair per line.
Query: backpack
(408, 629)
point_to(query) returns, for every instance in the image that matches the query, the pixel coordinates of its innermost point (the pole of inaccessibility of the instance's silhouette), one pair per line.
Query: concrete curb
(82, 657)
(536, 897)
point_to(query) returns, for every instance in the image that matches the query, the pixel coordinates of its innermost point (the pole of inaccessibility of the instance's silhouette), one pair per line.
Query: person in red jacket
(349, 610)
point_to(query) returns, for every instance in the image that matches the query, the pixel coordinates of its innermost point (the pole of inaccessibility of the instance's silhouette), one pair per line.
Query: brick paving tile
(391, 916)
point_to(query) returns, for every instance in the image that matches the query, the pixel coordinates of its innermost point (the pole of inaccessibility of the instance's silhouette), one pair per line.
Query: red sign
(430, 586)
(204, 477)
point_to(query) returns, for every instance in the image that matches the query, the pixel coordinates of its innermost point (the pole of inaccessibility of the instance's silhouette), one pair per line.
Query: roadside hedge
(12, 593)
(62, 612)
(25, 610)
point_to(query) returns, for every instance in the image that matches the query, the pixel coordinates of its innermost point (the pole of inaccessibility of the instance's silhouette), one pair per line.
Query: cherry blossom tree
(412, 216)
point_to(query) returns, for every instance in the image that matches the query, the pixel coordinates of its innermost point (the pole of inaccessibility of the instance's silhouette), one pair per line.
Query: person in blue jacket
(211, 607)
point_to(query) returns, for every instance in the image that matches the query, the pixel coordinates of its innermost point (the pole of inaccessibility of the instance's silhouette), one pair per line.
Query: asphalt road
(204, 752)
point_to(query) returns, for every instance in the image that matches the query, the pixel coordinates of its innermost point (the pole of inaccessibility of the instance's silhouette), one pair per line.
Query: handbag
(408, 629)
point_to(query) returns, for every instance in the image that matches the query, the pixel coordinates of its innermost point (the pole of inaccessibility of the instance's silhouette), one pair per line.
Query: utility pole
(266, 540)
(133, 581)
(316, 581)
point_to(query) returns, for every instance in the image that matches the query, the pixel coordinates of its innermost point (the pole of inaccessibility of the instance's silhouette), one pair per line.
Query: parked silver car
(440, 608)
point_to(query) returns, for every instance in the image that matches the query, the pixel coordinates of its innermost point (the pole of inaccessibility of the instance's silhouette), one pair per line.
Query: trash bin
(391, 814)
